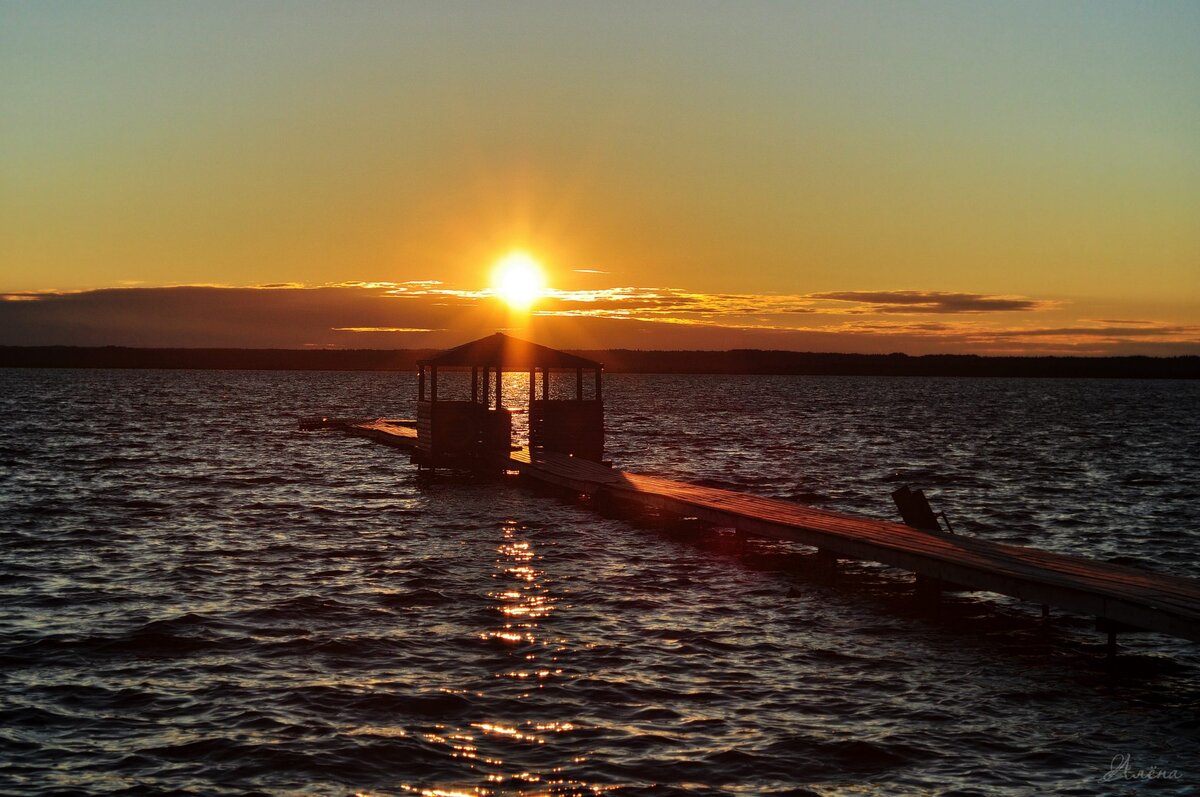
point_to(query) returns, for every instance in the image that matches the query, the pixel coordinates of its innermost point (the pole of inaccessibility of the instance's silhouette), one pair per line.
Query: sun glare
(518, 279)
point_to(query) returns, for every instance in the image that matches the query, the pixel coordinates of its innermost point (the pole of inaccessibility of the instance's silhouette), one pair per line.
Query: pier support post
(928, 589)
(826, 564)
(742, 540)
(1112, 628)
(686, 529)
(604, 503)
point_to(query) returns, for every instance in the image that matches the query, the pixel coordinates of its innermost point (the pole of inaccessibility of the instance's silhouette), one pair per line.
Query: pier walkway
(1121, 598)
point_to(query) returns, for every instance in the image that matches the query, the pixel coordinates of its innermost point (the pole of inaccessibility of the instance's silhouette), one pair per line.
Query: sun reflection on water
(523, 600)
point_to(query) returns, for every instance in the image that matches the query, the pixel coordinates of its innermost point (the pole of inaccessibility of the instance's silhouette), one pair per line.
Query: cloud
(934, 302)
(428, 314)
(658, 303)
(381, 329)
(653, 303)
(191, 316)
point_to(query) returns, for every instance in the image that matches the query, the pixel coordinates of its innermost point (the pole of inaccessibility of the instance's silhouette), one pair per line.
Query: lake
(197, 598)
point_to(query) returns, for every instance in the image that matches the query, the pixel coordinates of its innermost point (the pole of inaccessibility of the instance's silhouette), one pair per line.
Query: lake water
(196, 598)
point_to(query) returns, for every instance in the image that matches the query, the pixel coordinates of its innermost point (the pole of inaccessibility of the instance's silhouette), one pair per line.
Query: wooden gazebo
(477, 431)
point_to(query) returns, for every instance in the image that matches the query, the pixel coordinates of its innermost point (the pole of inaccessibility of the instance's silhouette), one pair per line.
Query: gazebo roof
(507, 353)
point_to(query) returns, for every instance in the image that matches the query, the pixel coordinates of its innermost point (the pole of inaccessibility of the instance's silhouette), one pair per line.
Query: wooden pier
(389, 431)
(1120, 598)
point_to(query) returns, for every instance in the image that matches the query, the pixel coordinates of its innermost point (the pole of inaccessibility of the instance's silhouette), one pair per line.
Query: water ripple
(197, 599)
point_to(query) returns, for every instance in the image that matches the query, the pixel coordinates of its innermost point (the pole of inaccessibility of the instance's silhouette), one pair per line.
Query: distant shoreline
(738, 361)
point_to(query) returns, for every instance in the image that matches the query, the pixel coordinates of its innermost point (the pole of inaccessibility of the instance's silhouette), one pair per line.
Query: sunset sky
(1017, 177)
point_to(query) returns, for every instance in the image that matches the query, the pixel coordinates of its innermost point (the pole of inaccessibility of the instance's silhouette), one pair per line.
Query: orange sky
(836, 176)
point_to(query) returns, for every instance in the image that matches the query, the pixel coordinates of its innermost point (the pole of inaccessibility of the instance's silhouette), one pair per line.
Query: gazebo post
(420, 383)
(499, 386)
(546, 382)
(532, 385)
(474, 384)
(484, 396)
(433, 383)
(598, 380)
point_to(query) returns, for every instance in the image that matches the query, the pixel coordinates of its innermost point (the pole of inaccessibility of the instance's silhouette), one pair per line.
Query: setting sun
(518, 279)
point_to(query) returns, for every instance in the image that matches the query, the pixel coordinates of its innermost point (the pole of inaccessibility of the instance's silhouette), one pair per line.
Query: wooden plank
(1110, 592)
(1139, 598)
(397, 433)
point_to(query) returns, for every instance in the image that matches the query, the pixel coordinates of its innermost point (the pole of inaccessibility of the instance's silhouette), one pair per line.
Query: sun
(518, 279)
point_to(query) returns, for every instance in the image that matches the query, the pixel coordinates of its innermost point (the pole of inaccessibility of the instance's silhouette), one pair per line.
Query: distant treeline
(738, 361)
(233, 359)
(756, 361)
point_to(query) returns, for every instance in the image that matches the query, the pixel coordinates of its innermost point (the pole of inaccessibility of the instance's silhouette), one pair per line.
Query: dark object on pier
(915, 509)
(477, 432)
